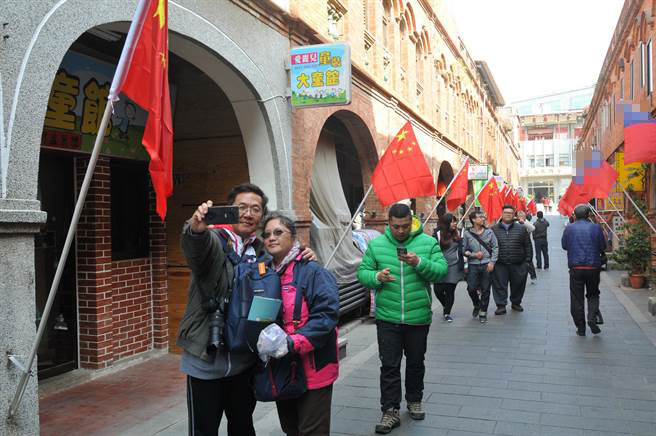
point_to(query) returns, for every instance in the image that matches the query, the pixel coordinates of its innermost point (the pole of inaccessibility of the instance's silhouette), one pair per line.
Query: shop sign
(614, 201)
(477, 172)
(76, 105)
(321, 75)
(631, 176)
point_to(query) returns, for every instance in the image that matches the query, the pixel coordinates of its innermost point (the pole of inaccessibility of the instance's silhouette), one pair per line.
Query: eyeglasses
(255, 210)
(277, 233)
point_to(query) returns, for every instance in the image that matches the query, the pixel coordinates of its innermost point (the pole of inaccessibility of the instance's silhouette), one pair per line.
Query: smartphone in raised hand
(222, 215)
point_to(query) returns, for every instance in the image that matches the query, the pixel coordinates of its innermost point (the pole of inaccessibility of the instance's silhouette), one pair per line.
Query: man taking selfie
(401, 265)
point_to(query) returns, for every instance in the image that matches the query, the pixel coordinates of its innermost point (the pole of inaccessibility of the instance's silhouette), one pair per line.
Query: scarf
(293, 254)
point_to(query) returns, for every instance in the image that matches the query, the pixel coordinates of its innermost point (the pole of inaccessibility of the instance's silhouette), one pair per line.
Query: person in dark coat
(540, 240)
(515, 252)
(451, 245)
(585, 243)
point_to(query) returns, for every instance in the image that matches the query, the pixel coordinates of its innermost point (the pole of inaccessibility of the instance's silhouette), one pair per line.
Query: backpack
(284, 378)
(252, 276)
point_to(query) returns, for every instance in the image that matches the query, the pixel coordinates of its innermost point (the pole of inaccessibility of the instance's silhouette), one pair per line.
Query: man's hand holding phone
(198, 224)
(384, 276)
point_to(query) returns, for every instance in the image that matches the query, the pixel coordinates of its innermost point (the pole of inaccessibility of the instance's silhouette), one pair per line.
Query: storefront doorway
(58, 351)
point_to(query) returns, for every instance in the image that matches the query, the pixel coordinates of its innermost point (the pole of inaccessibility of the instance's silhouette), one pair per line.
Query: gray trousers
(513, 274)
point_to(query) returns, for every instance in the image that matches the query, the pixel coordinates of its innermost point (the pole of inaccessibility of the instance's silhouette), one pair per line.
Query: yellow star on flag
(163, 59)
(160, 13)
(401, 136)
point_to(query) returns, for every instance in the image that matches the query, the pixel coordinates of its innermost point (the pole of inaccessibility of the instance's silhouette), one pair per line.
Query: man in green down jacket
(401, 265)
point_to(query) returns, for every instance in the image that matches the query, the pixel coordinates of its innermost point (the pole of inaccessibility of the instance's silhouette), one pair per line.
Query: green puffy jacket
(407, 300)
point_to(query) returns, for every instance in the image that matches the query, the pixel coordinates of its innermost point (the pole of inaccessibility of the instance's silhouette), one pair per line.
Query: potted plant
(634, 251)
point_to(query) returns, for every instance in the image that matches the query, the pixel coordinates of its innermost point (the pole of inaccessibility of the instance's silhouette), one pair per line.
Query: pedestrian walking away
(524, 219)
(314, 336)
(451, 245)
(540, 241)
(584, 243)
(401, 265)
(482, 251)
(216, 376)
(515, 252)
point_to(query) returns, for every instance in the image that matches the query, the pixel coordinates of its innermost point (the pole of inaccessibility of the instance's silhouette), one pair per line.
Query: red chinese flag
(402, 172)
(147, 84)
(490, 199)
(506, 195)
(458, 193)
(575, 195)
(522, 204)
(532, 208)
(515, 200)
(601, 181)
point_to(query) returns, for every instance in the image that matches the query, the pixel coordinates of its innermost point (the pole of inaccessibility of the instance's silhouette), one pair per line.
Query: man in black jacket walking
(515, 252)
(540, 239)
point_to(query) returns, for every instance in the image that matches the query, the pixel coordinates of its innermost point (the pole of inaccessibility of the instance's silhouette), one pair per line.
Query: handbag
(284, 378)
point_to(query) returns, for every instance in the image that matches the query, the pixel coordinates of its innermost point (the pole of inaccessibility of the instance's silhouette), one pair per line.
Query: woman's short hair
(284, 220)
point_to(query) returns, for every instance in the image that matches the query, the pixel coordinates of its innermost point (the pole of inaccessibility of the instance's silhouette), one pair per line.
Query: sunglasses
(277, 233)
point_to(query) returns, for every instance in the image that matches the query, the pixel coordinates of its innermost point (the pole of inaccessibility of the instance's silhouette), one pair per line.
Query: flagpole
(27, 367)
(636, 207)
(602, 219)
(355, 215)
(446, 190)
(474, 202)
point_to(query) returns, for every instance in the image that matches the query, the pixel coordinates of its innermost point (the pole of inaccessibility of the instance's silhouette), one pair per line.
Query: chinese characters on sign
(321, 75)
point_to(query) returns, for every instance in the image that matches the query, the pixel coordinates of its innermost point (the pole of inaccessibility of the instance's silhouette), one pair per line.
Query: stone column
(19, 221)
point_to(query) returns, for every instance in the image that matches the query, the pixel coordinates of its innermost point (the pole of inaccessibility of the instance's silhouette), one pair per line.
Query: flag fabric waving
(490, 199)
(402, 172)
(532, 208)
(575, 195)
(459, 188)
(142, 75)
(597, 175)
(639, 136)
(522, 204)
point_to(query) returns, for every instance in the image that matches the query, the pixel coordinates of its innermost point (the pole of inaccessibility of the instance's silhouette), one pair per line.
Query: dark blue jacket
(584, 242)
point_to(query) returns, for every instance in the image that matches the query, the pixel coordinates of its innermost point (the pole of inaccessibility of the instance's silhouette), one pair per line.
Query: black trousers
(395, 340)
(308, 414)
(583, 281)
(445, 293)
(541, 250)
(478, 280)
(207, 400)
(503, 274)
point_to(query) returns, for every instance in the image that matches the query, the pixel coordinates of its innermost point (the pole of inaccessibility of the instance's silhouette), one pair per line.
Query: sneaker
(534, 281)
(501, 310)
(594, 328)
(448, 318)
(390, 420)
(580, 331)
(598, 318)
(482, 317)
(476, 311)
(517, 307)
(416, 412)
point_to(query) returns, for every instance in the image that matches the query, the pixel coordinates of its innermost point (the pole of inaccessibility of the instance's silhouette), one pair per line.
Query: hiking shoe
(448, 318)
(517, 307)
(594, 328)
(501, 310)
(390, 420)
(475, 312)
(415, 410)
(482, 317)
(598, 318)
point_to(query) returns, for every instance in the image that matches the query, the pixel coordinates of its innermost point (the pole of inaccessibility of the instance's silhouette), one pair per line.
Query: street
(519, 374)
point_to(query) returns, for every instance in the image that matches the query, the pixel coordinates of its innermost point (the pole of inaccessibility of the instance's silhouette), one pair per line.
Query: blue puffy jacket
(584, 242)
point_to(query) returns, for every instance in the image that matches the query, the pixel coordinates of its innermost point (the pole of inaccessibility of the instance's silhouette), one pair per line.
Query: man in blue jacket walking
(584, 242)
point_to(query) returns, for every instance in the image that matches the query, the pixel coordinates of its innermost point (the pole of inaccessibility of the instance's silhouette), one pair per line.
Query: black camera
(217, 325)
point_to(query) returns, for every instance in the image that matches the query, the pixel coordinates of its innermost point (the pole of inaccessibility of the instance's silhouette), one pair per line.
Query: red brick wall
(123, 305)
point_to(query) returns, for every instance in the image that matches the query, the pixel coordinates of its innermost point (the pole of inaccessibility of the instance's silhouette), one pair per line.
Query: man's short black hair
(399, 210)
(540, 214)
(246, 188)
(508, 206)
(473, 215)
(582, 211)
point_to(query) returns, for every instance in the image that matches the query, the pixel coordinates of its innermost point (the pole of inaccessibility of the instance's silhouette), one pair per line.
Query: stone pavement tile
(504, 393)
(465, 433)
(613, 425)
(541, 407)
(617, 393)
(638, 405)
(604, 412)
(579, 400)
(642, 428)
(353, 426)
(446, 388)
(463, 400)
(640, 415)
(369, 415)
(542, 387)
(456, 423)
(442, 409)
(497, 414)
(474, 381)
(521, 429)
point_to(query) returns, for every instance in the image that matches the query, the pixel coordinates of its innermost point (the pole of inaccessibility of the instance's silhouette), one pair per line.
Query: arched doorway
(341, 173)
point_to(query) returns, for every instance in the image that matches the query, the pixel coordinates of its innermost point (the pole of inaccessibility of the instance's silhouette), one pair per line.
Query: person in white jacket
(521, 218)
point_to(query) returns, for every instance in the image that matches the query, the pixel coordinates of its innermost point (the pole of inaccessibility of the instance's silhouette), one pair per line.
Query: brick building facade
(626, 77)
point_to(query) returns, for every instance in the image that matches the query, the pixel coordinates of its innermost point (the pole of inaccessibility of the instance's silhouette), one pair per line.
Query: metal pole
(22, 386)
(617, 210)
(636, 207)
(341, 238)
(602, 219)
(446, 190)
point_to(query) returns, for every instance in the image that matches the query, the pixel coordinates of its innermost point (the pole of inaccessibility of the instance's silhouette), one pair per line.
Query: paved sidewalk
(520, 374)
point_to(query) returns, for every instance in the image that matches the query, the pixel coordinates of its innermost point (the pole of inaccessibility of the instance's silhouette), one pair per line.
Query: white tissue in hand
(272, 342)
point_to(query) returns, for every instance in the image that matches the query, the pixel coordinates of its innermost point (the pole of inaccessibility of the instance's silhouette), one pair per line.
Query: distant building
(548, 129)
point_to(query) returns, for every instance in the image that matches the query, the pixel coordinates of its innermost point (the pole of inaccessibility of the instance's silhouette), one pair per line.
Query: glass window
(539, 161)
(621, 89)
(531, 163)
(549, 161)
(650, 85)
(563, 160)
